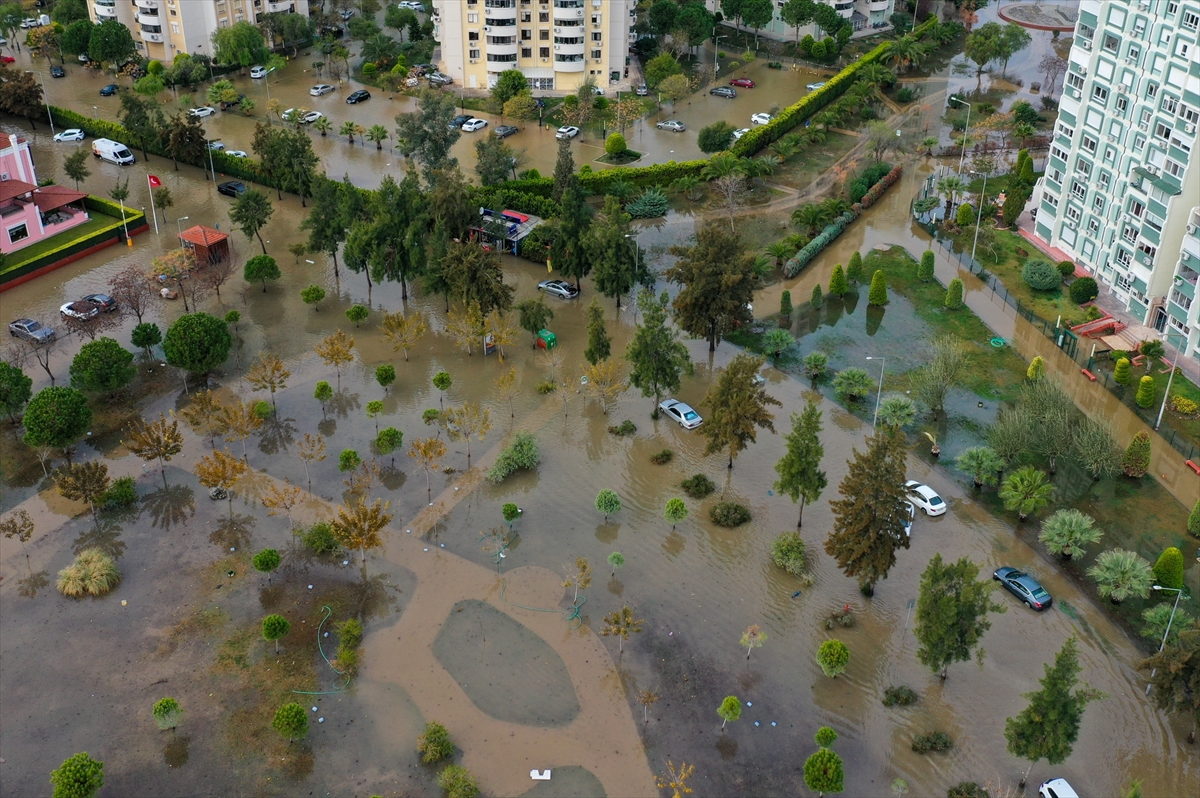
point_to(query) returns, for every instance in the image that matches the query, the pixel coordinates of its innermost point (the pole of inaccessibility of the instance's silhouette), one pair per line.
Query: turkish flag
(154, 181)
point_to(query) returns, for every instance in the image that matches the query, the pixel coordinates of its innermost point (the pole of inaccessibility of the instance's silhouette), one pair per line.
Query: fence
(1066, 341)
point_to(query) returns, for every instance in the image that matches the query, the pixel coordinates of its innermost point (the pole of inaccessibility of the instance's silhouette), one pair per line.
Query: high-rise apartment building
(164, 28)
(1123, 177)
(558, 44)
(1183, 311)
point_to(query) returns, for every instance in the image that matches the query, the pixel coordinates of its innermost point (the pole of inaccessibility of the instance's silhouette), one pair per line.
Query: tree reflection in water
(276, 434)
(104, 535)
(174, 504)
(232, 531)
(175, 753)
(30, 585)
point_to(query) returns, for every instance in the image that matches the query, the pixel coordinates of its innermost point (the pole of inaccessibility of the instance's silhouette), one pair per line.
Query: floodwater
(696, 588)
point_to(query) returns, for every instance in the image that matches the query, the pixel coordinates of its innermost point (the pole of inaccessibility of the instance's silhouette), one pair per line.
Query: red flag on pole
(154, 181)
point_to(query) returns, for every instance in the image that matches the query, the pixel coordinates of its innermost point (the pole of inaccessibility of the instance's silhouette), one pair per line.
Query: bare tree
(40, 352)
(1052, 66)
(732, 189)
(133, 290)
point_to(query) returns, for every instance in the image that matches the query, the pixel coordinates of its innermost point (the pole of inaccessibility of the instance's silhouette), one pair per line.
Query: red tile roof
(14, 188)
(204, 236)
(49, 198)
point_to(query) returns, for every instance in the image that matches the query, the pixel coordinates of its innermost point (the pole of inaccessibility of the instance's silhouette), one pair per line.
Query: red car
(744, 83)
(7, 59)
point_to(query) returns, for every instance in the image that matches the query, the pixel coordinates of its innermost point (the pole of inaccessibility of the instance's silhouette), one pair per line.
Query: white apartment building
(1182, 309)
(558, 44)
(863, 14)
(164, 28)
(1122, 177)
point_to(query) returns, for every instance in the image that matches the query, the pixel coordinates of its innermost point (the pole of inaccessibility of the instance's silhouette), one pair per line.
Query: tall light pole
(716, 48)
(208, 143)
(267, 83)
(878, 396)
(1167, 631)
(966, 130)
(179, 226)
(45, 98)
(979, 216)
(1163, 406)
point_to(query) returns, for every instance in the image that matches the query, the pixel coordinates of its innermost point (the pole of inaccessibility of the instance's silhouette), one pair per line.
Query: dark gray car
(30, 330)
(724, 91)
(1024, 587)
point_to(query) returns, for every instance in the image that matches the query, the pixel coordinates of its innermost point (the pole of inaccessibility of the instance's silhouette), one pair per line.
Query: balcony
(568, 63)
(106, 3)
(567, 13)
(148, 5)
(877, 5)
(506, 45)
(105, 12)
(152, 20)
(569, 46)
(500, 13)
(151, 37)
(279, 8)
(489, 22)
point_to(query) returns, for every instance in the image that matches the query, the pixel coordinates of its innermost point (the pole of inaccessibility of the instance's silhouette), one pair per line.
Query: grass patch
(993, 373)
(1180, 386)
(35, 251)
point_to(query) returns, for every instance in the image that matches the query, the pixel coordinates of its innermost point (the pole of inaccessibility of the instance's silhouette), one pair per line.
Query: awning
(1168, 187)
(51, 198)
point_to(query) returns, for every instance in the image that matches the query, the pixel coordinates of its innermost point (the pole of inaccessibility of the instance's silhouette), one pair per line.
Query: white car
(236, 153)
(910, 514)
(311, 116)
(815, 86)
(1057, 788)
(925, 497)
(737, 134)
(202, 111)
(81, 310)
(31, 22)
(567, 132)
(412, 5)
(216, 146)
(319, 89)
(257, 72)
(760, 119)
(678, 411)
(471, 125)
(73, 134)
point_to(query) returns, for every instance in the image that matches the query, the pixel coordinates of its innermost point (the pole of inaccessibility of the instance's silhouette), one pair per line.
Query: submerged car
(109, 90)
(744, 83)
(321, 88)
(71, 134)
(680, 412)
(258, 72)
(107, 304)
(760, 119)
(723, 91)
(642, 90)
(567, 132)
(81, 310)
(202, 111)
(1057, 788)
(57, 72)
(30, 330)
(471, 125)
(559, 288)
(232, 188)
(815, 86)
(1024, 587)
(237, 153)
(671, 124)
(504, 131)
(741, 131)
(459, 121)
(925, 497)
(359, 96)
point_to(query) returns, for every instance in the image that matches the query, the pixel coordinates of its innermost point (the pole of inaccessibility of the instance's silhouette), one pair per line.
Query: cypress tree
(1168, 571)
(1193, 525)
(817, 298)
(1145, 392)
(1027, 178)
(1121, 372)
(878, 294)
(1137, 457)
(837, 282)
(599, 345)
(854, 270)
(1014, 203)
(954, 294)
(785, 305)
(925, 267)
(1036, 370)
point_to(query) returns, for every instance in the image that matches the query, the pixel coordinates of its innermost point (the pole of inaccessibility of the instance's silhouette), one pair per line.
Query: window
(1050, 199)
(1123, 258)
(1078, 190)
(527, 52)
(473, 18)
(1093, 227)
(1151, 90)
(1083, 167)
(1089, 144)
(597, 20)
(544, 52)
(1105, 180)
(1169, 104)
(1190, 21)
(1100, 94)
(544, 35)
(543, 16)
(18, 233)
(1066, 130)
(1059, 153)
(527, 16)
(175, 28)
(472, 35)
(1172, 8)
(1162, 131)
(1098, 204)
(473, 54)
(1146, 115)
(1139, 143)
(597, 36)
(1073, 213)
(1173, 168)
(597, 55)
(1086, 31)
(1136, 209)
(1055, 175)
(1075, 81)
(1122, 105)
(1189, 114)
(1182, 48)
(1111, 42)
(1110, 155)
(1134, 54)
(526, 35)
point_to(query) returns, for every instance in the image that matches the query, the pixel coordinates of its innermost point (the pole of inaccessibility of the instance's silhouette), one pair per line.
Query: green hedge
(133, 218)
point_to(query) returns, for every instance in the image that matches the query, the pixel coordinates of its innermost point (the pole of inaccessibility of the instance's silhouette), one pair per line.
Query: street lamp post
(1167, 631)
(208, 143)
(179, 225)
(966, 130)
(45, 99)
(1162, 408)
(879, 396)
(716, 49)
(267, 83)
(979, 216)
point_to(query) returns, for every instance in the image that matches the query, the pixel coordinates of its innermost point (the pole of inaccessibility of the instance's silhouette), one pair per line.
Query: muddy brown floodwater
(82, 675)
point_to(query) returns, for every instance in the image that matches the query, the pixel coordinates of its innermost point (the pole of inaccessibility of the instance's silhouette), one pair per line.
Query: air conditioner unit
(3, 176)
(558, 47)
(1069, 224)
(1191, 229)
(1075, 93)
(1085, 44)
(558, 30)
(1190, 128)
(1185, 255)
(1122, 88)
(487, 28)
(1111, 137)
(1152, 169)
(1127, 218)
(1143, 126)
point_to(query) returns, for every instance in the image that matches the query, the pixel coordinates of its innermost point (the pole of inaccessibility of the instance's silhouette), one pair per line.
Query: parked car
(760, 119)
(910, 514)
(741, 131)
(723, 91)
(413, 5)
(359, 96)
(459, 121)
(216, 146)
(567, 132)
(471, 125)
(925, 497)
(1024, 587)
(671, 124)
(202, 111)
(232, 188)
(815, 86)
(83, 58)
(236, 153)
(743, 83)
(1057, 788)
(438, 79)
(234, 103)
(642, 90)
(559, 288)
(311, 116)
(349, 12)
(257, 72)
(80, 309)
(57, 72)
(30, 330)
(504, 131)
(320, 88)
(678, 411)
(105, 91)
(7, 59)
(106, 303)
(71, 134)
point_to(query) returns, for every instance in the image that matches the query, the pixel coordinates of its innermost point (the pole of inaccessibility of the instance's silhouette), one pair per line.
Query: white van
(113, 151)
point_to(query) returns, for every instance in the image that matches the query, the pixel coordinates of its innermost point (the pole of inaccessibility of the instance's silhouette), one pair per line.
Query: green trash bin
(546, 340)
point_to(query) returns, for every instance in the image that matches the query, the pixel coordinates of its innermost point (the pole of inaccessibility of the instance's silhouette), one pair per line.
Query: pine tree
(599, 345)
(785, 306)
(925, 267)
(737, 405)
(657, 358)
(799, 474)
(569, 249)
(1145, 392)
(1193, 523)
(817, 299)
(954, 294)
(952, 610)
(1036, 370)
(1048, 727)
(613, 258)
(854, 270)
(1137, 457)
(868, 526)
(837, 282)
(716, 279)
(1176, 676)
(878, 294)
(1121, 372)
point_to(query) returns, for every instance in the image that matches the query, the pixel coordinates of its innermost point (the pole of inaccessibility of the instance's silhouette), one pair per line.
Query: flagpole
(152, 210)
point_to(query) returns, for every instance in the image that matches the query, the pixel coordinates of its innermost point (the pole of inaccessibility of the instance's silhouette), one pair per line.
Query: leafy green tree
(521, 108)
(823, 770)
(509, 84)
(1121, 371)
(79, 776)
(357, 313)
(167, 713)
(983, 45)
(715, 137)
(1068, 531)
(291, 721)
(833, 656)
(323, 393)
(1026, 490)
(614, 261)
(67, 11)
(1168, 571)
(15, 390)
(349, 460)
(534, 315)
(1193, 522)
(265, 562)
(75, 166)
(76, 37)
(659, 68)
(1176, 676)
(952, 610)
(185, 141)
(275, 627)
(261, 268)
(387, 239)
(474, 277)
(656, 356)
(494, 160)
(102, 366)
(56, 417)
(111, 43)
(800, 476)
(427, 134)
(250, 213)
(569, 251)
(675, 511)
(737, 405)
(146, 336)
(730, 709)
(608, 503)
(925, 267)
(954, 295)
(599, 345)
(1048, 727)
(241, 44)
(197, 343)
(1012, 39)
(878, 293)
(868, 521)
(837, 282)
(328, 221)
(313, 296)
(982, 463)
(385, 375)
(1121, 574)
(1145, 392)
(717, 284)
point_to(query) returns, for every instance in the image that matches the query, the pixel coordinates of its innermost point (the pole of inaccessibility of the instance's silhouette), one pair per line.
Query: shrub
(1184, 406)
(457, 782)
(431, 415)
(925, 267)
(435, 744)
(698, 486)
(817, 299)
(320, 540)
(1084, 289)
(789, 553)
(899, 696)
(262, 409)
(521, 452)
(1168, 571)
(1137, 457)
(815, 365)
(1121, 371)
(626, 427)
(965, 215)
(122, 493)
(651, 204)
(837, 282)
(1120, 574)
(833, 656)
(93, 573)
(905, 95)
(954, 294)
(843, 617)
(878, 294)
(729, 514)
(1145, 392)
(1037, 369)
(934, 741)
(785, 305)
(969, 789)
(549, 386)
(615, 144)
(853, 384)
(854, 269)
(1066, 268)
(662, 458)
(369, 69)
(1193, 522)
(1040, 275)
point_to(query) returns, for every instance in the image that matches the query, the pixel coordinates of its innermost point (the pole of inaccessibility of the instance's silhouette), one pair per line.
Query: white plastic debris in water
(773, 723)
(749, 703)
(233, 548)
(443, 545)
(310, 587)
(314, 709)
(426, 549)
(540, 775)
(755, 723)
(327, 635)
(345, 562)
(123, 602)
(320, 720)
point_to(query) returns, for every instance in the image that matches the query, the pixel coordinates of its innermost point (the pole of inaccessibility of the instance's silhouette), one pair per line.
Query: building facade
(29, 214)
(558, 44)
(1122, 177)
(164, 28)
(1183, 311)
(863, 14)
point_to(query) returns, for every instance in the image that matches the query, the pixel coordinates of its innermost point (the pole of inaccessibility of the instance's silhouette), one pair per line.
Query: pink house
(27, 213)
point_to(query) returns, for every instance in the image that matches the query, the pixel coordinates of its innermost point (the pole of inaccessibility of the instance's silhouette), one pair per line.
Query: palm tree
(897, 411)
(951, 186)
(1068, 531)
(810, 217)
(876, 76)
(764, 165)
(787, 146)
(684, 184)
(323, 124)
(1026, 490)
(377, 134)
(621, 189)
(814, 135)
(835, 207)
(928, 143)
(380, 47)
(905, 53)
(723, 164)
(780, 251)
(348, 129)
(982, 463)
(1121, 574)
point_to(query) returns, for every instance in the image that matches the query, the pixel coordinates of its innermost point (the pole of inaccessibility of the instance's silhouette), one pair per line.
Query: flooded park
(490, 643)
